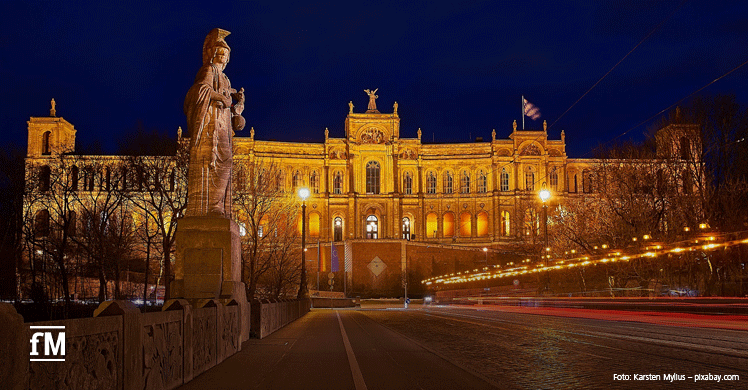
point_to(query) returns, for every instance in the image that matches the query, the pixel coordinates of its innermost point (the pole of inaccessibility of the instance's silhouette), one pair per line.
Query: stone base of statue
(208, 263)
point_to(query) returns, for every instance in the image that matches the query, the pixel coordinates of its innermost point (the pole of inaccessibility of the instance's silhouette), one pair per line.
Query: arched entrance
(372, 227)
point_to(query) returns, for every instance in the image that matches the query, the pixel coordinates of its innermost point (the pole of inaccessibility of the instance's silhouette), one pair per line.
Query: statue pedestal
(208, 263)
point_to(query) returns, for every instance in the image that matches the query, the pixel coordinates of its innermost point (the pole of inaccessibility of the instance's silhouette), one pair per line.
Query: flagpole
(523, 112)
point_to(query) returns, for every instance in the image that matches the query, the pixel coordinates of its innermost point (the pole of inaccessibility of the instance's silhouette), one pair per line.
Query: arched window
(431, 225)
(408, 183)
(46, 144)
(314, 182)
(482, 224)
(314, 225)
(586, 181)
(482, 182)
(431, 183)
(41, 223)
(406, 228)
(338, 229)
(372, 227)
(240, 178)
(685, 148)
(448, 182)
(281, 185)
(530, 181)
(448, 224)
(44, 177)
(372, 177)
(506, 223)
(297, 180)
(504, 180)
(465, 224)
(553, 178)
(74, 178)
(465, 182)
(337, 183)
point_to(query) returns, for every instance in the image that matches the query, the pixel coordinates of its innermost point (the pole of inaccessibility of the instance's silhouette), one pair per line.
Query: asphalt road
(473, 348)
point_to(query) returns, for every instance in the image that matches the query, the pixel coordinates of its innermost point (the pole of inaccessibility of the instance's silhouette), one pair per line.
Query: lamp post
(485, 251)
(303, 292)
(544, 196)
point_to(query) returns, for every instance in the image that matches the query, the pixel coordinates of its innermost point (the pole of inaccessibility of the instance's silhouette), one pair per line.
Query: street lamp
(303, 292)
(544, 196)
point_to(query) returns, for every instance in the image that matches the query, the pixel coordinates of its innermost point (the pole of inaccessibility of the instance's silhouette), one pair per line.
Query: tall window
(431, 183)
(337, 183)
(41, 223)
(372, 226)
(46, 149)
(506, 223)
(431, 225)
(406, 228)
(44, 177)
(338, 229)
(297, 180)
(530, 181)
(314, 182)
(408, 183)
(504, 180)
(448, 182)
(372, 177)
(74, 178)
(482, 182)
(281, 181)
(586, 181)
(240, 178)
(685, 148)
(465, 182)
(554, 179)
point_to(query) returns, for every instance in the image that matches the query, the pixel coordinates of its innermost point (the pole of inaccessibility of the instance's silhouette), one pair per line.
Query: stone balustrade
(269, 315)
(122, 348)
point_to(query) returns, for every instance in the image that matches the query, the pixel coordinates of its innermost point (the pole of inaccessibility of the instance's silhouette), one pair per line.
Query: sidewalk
(335, 349)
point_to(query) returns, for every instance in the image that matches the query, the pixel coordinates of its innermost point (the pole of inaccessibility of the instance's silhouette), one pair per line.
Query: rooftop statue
(211, 117)
(372, 99)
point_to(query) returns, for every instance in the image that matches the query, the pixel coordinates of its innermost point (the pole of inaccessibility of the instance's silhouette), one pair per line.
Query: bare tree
(161, 196)
(267, 213)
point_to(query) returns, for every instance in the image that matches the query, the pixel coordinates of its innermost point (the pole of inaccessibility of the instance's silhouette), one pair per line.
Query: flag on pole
(334, 267)
(530, 109)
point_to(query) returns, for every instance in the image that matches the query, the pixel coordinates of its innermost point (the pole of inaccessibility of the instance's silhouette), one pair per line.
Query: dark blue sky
(456, 70)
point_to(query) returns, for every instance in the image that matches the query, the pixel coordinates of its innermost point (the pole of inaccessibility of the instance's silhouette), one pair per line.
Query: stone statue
(419, 133)
(327, 133)
(493, 135)
(372, 99)
(350, 107)
(179, 133)
(514, 125)
(211, 118)
(53, 111)
(252, 133)
(394, 106)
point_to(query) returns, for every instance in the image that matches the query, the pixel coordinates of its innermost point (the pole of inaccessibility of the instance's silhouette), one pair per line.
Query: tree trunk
(147, 265)
(167, 269)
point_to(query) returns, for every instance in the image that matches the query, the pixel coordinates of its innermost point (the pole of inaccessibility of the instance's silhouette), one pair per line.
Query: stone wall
(122, 348)
(269, 315)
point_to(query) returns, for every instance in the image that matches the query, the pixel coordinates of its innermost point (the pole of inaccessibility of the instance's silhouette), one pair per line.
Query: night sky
(457, 71)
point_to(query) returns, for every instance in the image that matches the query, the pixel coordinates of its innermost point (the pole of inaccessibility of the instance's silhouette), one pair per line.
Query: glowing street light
(303, 194)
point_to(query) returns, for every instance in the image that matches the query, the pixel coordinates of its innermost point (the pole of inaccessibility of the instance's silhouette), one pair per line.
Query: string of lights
(704, 242)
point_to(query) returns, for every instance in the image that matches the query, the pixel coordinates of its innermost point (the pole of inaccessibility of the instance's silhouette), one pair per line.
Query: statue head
(214, 41)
